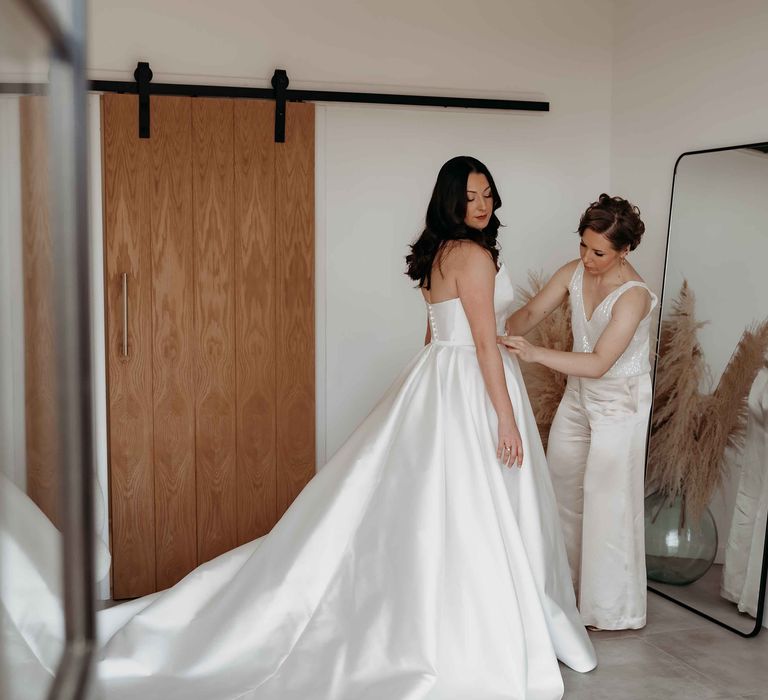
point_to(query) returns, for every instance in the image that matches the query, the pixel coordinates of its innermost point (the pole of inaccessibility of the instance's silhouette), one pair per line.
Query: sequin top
(635, 359)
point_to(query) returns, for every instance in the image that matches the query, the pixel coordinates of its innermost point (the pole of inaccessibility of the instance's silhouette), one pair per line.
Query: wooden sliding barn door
(209, 278)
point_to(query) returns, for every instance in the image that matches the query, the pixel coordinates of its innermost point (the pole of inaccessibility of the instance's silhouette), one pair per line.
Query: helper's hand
(520, 346)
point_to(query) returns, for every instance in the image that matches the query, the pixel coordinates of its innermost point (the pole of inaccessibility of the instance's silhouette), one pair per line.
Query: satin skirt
(744, 549)
(414, 566)
(596, 455)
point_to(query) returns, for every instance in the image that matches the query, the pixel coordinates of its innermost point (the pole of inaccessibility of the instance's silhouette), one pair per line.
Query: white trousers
(596, 456)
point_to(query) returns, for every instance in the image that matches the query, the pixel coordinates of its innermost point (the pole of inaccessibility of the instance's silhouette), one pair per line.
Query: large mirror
(707, 475)
(46, 609)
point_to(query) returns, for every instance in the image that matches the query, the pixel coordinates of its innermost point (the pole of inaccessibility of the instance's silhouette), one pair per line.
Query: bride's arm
(475, 280)
(526, 318)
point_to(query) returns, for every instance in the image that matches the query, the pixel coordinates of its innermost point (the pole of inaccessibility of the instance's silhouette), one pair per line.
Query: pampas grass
(691, 429)
(546, 386)
(680, 370)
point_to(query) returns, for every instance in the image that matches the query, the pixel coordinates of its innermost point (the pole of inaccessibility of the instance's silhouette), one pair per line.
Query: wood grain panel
(173, 338)
(255, 317)
(213, 177)
(39, 350)
(295, 323)
(127, 191)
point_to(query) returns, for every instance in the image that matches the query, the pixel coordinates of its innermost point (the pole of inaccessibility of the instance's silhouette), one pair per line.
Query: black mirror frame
(763, 145)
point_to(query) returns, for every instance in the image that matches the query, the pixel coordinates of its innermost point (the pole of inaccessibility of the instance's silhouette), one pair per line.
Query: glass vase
(678, 550)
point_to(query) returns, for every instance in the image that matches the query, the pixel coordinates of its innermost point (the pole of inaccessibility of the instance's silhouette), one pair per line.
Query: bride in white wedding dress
(423, 562)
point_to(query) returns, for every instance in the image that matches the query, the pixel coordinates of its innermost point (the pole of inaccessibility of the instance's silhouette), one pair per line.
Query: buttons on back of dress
(432, 323)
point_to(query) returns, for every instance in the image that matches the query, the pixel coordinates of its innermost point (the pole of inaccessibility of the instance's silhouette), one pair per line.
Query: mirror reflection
(31, 617)
(706, 485)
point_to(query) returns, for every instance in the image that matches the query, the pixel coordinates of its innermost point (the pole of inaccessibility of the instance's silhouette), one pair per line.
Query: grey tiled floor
(677, 656)
(704, 595)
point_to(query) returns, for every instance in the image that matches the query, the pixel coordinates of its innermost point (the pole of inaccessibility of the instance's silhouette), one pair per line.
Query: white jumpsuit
(596, 456)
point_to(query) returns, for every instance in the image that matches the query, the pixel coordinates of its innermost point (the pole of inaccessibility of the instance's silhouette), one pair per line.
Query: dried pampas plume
(546, 386)
(690, 429)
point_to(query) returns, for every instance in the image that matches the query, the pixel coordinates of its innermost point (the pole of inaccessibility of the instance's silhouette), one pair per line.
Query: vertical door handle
(125, 314)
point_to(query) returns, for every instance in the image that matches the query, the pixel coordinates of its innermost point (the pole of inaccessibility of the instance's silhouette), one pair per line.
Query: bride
(423, 562)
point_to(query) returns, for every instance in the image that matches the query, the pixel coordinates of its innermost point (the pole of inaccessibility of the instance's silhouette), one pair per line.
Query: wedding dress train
(414, 566)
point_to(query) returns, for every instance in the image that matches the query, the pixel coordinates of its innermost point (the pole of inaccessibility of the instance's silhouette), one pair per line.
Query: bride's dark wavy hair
(445, 218)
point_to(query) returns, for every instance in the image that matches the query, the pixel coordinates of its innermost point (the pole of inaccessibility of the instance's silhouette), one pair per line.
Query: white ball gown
(414, 566)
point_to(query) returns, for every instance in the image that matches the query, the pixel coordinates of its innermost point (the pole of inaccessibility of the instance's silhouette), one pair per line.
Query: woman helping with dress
(418, 564)
(596, 448)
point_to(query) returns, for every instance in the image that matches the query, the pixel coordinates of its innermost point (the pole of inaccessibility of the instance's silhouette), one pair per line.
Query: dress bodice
(586, 332)
(449, 323)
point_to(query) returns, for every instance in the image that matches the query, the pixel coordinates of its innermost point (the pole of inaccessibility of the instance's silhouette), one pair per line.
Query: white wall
(688, 75)
(525, 47)
(24, 55)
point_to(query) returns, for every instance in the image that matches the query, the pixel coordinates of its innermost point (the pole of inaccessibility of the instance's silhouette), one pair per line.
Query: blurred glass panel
(31, 618)
(23, 46)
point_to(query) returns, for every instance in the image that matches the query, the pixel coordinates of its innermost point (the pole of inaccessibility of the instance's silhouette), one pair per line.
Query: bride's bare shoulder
(465, 256)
